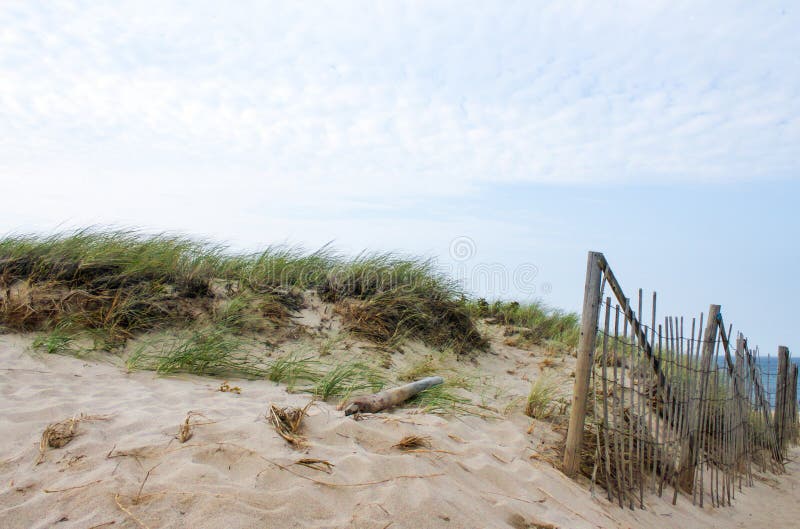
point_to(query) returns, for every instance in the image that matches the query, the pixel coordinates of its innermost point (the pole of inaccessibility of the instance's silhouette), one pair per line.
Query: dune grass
(124, 283)
(220, 308)
(292, 368)
(442, 400)
(55, 342)
(538, 323)
(425, 366)
(209, 351)
(542, 397)
(345, 379)
(215, 305)
(393, 316)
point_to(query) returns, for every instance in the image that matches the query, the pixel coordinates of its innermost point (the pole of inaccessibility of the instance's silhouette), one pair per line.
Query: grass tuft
(288, 421)
(55, 342)
(291, 368)
(208, 351)
(442, 400)
(59, 434)
(394, 316)
(541, 399)
(410, 442)
(531, 324)
(426, 366)
(345, 379)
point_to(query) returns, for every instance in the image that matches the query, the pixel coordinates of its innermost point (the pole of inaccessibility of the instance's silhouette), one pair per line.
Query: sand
(127, 469)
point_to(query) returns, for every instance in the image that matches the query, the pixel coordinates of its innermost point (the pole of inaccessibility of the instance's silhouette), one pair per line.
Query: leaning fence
(672, 405)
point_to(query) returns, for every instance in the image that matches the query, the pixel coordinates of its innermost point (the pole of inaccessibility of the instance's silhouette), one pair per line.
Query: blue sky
(665, 134)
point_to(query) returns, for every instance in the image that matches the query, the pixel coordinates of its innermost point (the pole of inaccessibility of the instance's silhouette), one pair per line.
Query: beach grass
(541, 398)
(208, 351)
(292, 368)
(114, 286)
(443, 399)
(537, 323)
(124, 282)
(55, 342)
(347, 378)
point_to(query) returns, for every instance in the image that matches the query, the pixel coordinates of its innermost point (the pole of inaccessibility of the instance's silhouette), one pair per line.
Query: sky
(503, 139)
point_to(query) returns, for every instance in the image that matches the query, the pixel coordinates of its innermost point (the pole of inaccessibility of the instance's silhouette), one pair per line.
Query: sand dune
(128, 469)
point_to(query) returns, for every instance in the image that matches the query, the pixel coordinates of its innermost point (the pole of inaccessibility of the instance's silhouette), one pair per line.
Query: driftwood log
(390, 397)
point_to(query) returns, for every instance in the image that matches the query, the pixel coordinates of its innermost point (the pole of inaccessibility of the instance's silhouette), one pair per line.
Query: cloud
(356, 101)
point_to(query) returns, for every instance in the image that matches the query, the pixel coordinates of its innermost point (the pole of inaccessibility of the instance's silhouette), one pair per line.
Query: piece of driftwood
(390, 397)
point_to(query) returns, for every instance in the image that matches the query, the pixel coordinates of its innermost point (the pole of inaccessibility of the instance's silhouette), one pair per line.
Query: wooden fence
(673, 404)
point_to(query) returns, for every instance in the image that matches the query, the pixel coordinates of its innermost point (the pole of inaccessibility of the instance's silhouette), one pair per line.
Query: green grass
(292, 368)
(250, 312)
(208, 351)
(541, 399)
(541, 323)
(55, 342)
(332, 343)
(425, 366)
(124, 283)
(442, 400)
(345, 379)
(115, 285)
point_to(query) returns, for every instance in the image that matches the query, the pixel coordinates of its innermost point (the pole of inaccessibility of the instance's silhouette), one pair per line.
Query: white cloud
(354, 100)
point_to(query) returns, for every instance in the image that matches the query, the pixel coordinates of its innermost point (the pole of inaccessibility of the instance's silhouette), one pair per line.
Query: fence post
(697, 438)
(793, 408)
(782, 402)
(592, 297)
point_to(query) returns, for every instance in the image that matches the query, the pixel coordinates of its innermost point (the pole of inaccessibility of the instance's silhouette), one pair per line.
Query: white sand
(227, 474)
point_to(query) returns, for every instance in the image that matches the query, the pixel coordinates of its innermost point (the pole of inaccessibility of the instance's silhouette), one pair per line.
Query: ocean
(769, 374)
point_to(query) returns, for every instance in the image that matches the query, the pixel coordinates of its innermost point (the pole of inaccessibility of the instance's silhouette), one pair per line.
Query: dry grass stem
(50, 491)
(104, 524)
(316, 464)
(138, 497)
(59, 434)
(413, 441)
(185, 429)
(288, 421)
(129, 513)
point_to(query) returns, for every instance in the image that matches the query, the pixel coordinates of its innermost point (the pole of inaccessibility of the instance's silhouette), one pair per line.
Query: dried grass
(316, 464)
(547, 362)
(288, 422)
(396, 315)
(410, 442)
(129, 513)
(59, 434)
(185, 429)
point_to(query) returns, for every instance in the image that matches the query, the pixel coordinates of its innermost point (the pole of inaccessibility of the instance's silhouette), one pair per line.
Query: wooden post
(736, 381)
(793, 394)
(781, 398)
(744, 411)
(763, 404)
(592, 298)
(698, 438)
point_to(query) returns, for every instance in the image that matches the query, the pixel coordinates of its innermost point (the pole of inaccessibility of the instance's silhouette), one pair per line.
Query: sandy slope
(237, 472)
